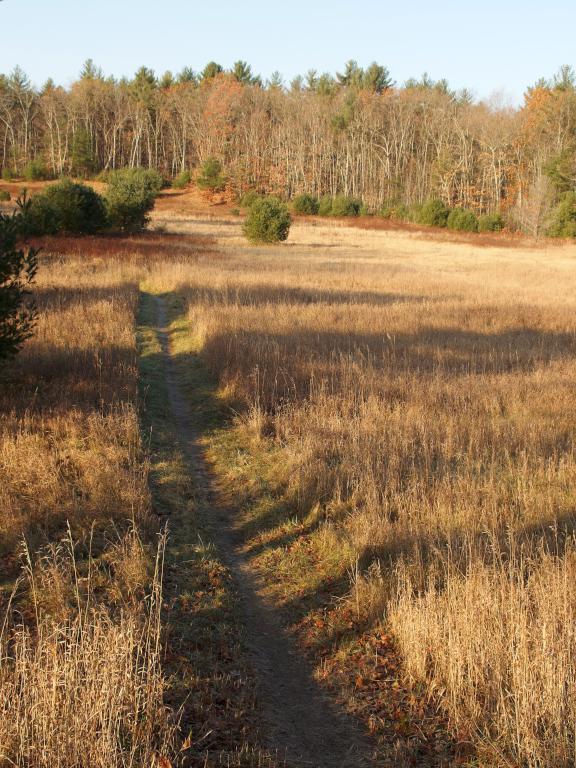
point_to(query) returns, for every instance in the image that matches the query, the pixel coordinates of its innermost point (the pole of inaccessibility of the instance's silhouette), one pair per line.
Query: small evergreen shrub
(36, 171)
(268, 221)
(394, 209)
(182, 180)
(130, 197)
(306, 204)
(325, 206)
(345, 206)
(490, 222)
(433, 214)
(7, 174)
(211, 177)
(462, 220)
(249, 198)
(66, 207)
(148, 179)
(4, 196)
(563, 217)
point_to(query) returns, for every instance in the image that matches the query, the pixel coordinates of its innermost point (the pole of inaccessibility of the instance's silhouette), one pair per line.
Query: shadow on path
(299, 720)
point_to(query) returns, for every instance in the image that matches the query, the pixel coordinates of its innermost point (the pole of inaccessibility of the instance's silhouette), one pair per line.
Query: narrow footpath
(299, 722)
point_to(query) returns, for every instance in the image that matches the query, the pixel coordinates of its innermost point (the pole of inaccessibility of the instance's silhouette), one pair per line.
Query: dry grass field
(407, 428)
(398, 442)
(80, 675)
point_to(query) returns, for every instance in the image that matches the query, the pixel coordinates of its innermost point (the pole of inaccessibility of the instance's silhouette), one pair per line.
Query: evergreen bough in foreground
(268, 221)
(17, 271)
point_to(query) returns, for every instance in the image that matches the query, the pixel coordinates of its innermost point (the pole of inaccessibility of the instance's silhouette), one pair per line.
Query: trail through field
(299, 722)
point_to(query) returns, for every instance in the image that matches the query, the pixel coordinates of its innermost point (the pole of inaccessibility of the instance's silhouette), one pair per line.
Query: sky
(489, 47)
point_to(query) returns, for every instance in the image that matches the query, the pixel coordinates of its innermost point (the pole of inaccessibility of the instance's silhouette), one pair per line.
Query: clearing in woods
(392, 479)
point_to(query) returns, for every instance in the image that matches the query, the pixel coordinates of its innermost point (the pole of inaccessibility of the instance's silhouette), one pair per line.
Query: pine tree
(17, 271)
(83, 163)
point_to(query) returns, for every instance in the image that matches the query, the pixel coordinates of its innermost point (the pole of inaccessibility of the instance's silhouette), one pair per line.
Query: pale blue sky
(486, 46)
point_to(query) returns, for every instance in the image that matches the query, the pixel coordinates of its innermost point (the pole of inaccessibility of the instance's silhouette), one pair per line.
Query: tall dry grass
(81, 683)
(421, 396)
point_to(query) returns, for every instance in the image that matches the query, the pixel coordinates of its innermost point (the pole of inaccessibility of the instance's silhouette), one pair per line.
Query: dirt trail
(300, 723)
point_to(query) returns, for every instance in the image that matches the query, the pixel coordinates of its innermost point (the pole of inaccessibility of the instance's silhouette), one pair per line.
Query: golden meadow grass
(80, 676)
(419, 397)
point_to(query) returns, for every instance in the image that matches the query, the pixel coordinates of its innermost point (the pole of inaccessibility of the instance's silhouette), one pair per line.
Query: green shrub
(433, 214)
(396, 210)
(462, 220)
(130, 197)
(4, 196)
(36, 171)
(7, 174)
(490, 222)
(268, 221)
(249, 198)
(306, 204)
(364, 210)
(345, 206)
(325, 206)
(17, 271)
(211, 177)
(563, 217)
(147, 179)
(66, 207)
(182, 180)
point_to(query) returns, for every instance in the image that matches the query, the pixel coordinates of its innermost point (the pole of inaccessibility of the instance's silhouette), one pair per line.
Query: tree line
(356, 133)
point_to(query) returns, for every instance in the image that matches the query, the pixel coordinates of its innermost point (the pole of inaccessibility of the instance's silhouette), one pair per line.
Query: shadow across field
(288, 297)
(297, 719)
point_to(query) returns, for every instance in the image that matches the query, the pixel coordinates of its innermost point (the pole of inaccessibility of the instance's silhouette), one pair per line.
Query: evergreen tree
(83, 163)
(242, 71)
(187, 75)
(377, 78)
(17, 271)
(211, 70)
(90, 71)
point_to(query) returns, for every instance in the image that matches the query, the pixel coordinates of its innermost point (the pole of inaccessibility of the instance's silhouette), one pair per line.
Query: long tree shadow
(297, 717)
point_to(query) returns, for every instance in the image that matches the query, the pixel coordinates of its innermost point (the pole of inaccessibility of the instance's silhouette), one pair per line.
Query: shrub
(17, 271)
(394, 209)
(211, 177)
(249, 198)
(433, 214)
(7, 174)
(4, 196)
(147, 178)
(490, 222)
(36, 171)
(325, 206)
(235, 211)
(345, 206)
(130, 196)
(182, 180)
(268, 221)
(462, 220)
(66, 207)
(306, 204)
(563, 217)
